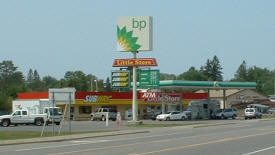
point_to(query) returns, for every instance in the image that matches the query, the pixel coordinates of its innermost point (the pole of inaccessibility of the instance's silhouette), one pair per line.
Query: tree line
(13, 81)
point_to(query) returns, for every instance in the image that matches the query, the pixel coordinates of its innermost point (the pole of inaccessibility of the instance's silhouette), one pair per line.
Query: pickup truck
(23, 117)
(100, 114)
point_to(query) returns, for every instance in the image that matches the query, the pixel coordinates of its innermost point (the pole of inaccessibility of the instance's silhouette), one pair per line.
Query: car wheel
(92, 118)
(103, 118)
(6, 123)
(57, 123)
(168, 119)
(183, 118)
(234, 117)
(38, 122)
(245, 118)
(222, 117)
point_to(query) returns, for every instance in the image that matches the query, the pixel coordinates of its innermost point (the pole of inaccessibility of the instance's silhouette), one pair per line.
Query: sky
(54, 37)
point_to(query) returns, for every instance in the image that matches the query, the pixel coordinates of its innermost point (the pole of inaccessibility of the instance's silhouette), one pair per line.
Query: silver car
(226, 113)
(252, 113)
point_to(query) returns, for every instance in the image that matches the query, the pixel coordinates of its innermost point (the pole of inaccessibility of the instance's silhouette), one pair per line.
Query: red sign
(162, 97)
(135, 62)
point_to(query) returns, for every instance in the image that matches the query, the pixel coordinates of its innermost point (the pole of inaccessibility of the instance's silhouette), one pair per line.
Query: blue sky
(68, 35)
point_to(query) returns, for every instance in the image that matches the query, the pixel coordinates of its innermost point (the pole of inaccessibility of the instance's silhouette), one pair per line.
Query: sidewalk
(69, 137)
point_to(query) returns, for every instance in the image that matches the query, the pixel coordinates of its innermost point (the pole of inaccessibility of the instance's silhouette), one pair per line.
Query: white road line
(90, 142)
(56, 146)
(94, 141)
(46, 147)
(272, 147)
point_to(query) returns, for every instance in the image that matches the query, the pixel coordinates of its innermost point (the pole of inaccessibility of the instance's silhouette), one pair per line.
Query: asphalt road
(244, 137)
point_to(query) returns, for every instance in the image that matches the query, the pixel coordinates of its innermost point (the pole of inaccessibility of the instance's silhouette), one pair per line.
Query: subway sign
(97, 99)
(120, 79)
(135, 62)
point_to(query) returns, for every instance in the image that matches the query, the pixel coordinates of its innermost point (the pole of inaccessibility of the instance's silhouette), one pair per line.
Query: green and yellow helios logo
(134, 33)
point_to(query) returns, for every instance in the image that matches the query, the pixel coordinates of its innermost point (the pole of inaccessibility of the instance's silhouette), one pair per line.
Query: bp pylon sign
(134, 33)
(148, 78)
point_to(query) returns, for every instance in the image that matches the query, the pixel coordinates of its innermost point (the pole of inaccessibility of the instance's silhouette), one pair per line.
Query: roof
(208, 84)
(219, 93)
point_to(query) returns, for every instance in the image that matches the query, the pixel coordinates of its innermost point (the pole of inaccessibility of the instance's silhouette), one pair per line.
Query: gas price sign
(149, 78)
(120, 79)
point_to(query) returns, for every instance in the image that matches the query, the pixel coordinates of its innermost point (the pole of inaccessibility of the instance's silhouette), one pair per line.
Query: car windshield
(218, 111)
(55, 111)
(249, 110)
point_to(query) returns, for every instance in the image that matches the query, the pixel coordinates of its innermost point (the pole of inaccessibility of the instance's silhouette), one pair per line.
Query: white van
(252, 113)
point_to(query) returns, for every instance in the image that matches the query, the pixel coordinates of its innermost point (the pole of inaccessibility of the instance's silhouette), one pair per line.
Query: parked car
(174, 115)
(155, 114)
(252, 113)
(226, 113)
(271, 111)
(100, 114)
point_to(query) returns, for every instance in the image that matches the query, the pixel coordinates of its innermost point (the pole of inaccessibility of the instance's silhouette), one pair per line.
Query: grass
(163, 125)
(12, 135)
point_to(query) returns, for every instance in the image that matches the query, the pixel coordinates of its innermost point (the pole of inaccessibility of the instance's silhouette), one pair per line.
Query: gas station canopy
(208, 84)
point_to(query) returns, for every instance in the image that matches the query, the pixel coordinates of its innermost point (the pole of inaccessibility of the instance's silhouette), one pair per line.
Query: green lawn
(11, 135)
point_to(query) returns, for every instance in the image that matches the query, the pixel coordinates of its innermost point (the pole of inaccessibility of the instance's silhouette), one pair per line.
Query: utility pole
(91, 83)
(96, 86)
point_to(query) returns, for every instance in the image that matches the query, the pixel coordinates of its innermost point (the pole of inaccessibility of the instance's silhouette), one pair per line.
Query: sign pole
(162, 103)
(134, 103)
(53, 114)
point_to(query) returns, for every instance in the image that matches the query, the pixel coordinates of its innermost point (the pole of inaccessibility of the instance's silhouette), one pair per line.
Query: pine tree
(216, 69)
(30, 77)
(212, 69)
(242, 73)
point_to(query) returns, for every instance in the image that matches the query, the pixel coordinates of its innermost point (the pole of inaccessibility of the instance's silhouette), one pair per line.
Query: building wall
(87, 102)
(245, 96)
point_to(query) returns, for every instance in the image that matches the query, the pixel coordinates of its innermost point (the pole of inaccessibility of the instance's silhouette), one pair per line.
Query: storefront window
(85, 110)
(151, 108)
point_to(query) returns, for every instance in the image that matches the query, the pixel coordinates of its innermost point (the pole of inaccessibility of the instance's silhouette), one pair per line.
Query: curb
(69, 137)
(216, 124)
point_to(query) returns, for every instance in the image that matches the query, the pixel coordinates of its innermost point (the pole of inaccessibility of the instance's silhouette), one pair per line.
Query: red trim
(194, 96)
(33, 95)
(114, 95)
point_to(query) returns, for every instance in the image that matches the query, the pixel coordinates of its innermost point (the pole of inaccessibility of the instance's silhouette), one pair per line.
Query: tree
(11, 82)
(165, 76)
(76, 79)
(30, 77)
(50, 82)
(108, 85)
(34, 82)
(193, 75)
(263, 78)
(212, 69)
(241, 74)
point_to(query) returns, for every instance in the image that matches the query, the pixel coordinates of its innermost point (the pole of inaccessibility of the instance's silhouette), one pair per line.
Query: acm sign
(134, 33)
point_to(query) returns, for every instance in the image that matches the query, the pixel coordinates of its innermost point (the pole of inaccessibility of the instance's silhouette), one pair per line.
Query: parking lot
(78, 126)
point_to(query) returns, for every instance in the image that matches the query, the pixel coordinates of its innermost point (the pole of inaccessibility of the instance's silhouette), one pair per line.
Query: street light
(96, 86)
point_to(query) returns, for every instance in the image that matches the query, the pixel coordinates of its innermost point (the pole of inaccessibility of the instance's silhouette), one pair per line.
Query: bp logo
(126, 41)
(134, 33)
(216, 84)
